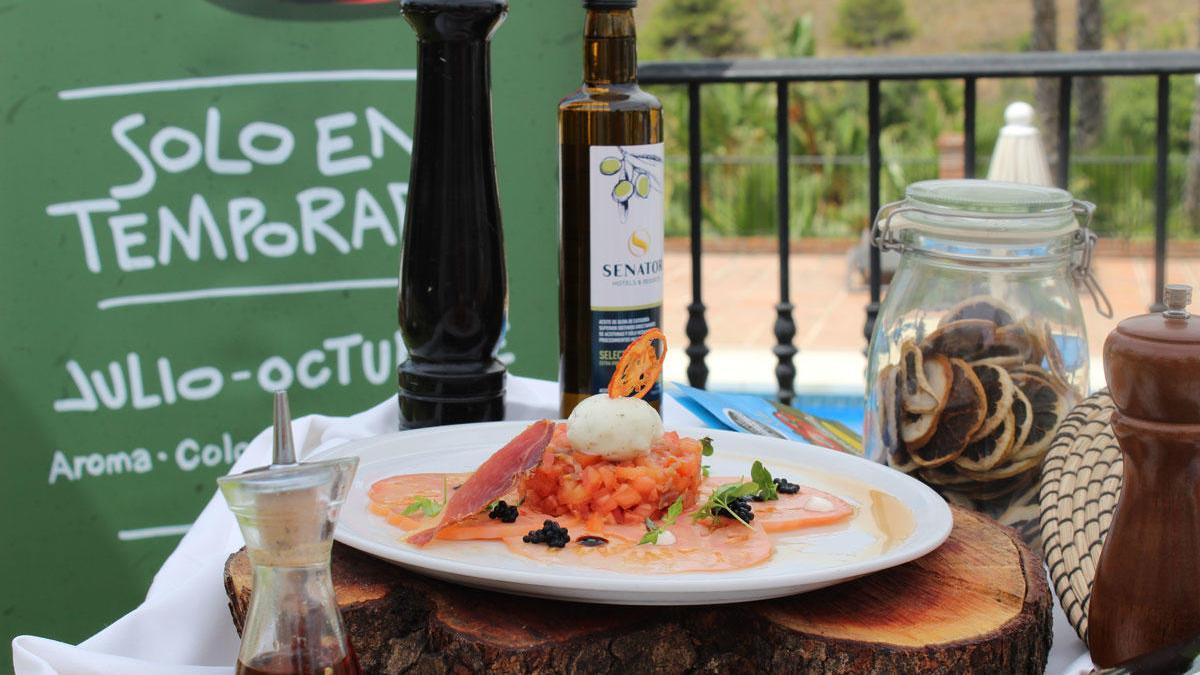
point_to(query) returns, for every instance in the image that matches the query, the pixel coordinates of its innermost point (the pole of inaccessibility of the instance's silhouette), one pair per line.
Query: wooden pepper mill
(1147, 590)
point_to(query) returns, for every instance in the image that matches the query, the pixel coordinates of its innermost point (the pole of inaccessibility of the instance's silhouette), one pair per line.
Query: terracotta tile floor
(741, 289)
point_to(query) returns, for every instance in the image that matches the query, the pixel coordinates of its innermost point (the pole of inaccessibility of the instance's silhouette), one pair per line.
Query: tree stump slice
(978, 604)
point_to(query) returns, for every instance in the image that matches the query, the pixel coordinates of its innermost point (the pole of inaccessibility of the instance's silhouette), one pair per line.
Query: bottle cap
(609, 4)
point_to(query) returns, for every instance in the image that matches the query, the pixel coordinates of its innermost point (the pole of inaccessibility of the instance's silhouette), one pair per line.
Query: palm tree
(1089, 36)
(1045, 39)
(1191, 191)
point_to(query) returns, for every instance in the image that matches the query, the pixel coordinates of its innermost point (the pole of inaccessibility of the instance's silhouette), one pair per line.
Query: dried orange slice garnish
(639, 367)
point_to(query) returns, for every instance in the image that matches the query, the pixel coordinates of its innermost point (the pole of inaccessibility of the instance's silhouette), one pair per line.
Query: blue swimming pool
(845, 408)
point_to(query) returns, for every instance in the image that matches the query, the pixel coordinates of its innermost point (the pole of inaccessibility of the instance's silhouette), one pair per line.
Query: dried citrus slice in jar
(640, 365)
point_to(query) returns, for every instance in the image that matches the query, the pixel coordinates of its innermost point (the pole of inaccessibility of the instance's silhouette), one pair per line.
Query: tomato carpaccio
(698, 546)
(807, 508)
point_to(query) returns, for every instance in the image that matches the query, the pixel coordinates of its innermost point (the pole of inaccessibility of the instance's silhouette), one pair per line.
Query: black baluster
(1064, 132)
(874, 165)
(785, 327)
(969, 127)
(1161, 150)
(697, 327)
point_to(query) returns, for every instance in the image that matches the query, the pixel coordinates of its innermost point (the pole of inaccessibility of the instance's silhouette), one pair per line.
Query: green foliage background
(828, 138)
(872, 23)
(705, 26)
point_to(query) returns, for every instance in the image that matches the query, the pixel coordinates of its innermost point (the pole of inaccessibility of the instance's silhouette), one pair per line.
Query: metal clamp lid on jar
(885, 233)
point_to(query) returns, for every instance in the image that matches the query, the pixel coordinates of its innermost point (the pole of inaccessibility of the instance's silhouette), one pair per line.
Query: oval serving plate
(803, 561)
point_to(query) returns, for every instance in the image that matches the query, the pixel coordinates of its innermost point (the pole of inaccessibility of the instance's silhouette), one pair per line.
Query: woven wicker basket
(1081, 481)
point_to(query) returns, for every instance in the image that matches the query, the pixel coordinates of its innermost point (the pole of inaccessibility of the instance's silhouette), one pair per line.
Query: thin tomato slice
(793, 512)
(639, 367)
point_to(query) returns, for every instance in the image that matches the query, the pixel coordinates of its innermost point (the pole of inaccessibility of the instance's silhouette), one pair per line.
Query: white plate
(813, 559)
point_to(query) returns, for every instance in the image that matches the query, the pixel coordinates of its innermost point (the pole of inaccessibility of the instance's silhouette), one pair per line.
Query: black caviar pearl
(552, 534)
(503, 512)
(784, 487)
(739, 508)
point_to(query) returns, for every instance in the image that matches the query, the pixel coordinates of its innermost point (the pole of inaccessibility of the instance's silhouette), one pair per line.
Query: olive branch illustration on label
(635, 174)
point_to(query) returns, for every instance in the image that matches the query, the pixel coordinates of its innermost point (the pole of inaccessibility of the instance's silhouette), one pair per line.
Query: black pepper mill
(453, 285)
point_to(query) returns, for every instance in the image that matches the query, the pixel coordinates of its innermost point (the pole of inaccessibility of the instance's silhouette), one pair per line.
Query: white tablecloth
(184, 628)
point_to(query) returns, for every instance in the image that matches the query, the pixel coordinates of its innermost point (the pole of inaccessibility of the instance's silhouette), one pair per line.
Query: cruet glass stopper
(287, 512)
(283, 452)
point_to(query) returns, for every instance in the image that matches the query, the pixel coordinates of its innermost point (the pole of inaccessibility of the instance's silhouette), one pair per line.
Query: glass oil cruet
(287, 512)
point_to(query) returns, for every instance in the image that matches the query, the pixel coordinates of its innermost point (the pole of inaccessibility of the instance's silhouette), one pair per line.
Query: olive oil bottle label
(626, 251)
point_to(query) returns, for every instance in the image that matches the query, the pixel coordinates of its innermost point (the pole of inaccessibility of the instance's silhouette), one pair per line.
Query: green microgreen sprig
(652, 530)
(426, 505)
(706, 450)
(767, 489)
(719, 501)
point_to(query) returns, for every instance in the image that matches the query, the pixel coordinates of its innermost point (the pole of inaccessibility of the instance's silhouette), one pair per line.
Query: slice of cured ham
(494, 479)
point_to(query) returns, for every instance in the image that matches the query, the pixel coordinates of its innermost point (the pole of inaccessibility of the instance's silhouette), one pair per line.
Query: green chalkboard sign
(202, 201)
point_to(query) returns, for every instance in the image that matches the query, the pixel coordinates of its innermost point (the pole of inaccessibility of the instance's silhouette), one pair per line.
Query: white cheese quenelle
(614, 428)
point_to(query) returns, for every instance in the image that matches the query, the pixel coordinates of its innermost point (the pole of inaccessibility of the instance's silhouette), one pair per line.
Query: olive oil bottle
(611, 211)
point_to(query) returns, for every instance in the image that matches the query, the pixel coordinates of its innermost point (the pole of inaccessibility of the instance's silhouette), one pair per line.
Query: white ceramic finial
(1018, 113)
(1177, 297)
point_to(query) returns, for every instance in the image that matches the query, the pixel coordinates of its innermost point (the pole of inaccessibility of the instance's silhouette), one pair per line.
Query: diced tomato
(574, 495)
(586, 460)
(604, 503)
(646, 486)
(628, 473)
(626, 496)
(567, 482)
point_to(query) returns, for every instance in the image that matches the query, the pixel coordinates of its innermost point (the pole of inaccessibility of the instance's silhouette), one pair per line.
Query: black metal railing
(873, 71)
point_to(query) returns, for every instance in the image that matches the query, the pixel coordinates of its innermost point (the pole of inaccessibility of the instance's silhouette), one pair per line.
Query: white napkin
(184, 627)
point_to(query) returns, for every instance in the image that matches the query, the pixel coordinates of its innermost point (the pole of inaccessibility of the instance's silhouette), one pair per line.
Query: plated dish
(608, 506)
(647, 512)
(800, 561)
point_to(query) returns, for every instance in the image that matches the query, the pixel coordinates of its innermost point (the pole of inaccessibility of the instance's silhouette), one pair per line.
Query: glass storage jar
(980, 348)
